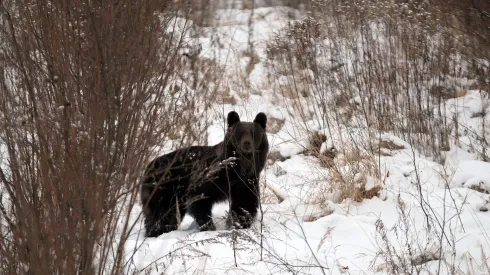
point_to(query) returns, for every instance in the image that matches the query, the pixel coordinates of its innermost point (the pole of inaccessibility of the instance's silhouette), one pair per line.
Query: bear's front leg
(245, 199)
(153, 227)
(200, 210)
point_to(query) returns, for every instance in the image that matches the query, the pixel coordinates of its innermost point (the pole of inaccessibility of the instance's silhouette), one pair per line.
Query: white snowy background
(426, 213)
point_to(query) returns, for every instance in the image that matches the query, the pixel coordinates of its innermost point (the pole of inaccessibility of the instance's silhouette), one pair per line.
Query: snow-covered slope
(427, 215)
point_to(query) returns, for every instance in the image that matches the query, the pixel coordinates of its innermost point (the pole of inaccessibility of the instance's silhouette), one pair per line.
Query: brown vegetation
(86, 92)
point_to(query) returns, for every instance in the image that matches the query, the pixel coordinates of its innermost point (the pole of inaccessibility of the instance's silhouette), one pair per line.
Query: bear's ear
(232, 118)
(261, 119)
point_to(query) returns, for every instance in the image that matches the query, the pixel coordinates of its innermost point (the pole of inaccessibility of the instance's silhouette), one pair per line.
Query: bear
(191, 180)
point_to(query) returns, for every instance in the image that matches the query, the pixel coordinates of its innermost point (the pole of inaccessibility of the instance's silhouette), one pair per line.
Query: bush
(87, 92)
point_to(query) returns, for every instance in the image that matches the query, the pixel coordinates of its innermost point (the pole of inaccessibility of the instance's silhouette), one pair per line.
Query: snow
(425, 211)
(472, 173)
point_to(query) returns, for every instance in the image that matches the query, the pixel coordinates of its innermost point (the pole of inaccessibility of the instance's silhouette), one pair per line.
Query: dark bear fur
(190, 180)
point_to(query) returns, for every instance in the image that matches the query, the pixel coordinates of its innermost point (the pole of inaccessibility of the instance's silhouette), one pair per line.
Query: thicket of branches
(87, 89)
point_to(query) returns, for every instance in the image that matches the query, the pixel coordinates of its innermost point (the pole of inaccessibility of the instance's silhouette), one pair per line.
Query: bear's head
(247, 141)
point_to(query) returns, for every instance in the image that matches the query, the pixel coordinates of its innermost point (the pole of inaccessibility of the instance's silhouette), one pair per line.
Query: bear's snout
(247, 145)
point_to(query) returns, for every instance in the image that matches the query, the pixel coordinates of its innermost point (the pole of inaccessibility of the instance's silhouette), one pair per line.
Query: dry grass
(355, 176)
(376, 67)
(479, 189)
(375, 62)
(384, 66)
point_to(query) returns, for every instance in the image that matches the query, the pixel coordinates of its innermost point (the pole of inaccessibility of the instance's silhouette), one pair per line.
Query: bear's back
(180, 163)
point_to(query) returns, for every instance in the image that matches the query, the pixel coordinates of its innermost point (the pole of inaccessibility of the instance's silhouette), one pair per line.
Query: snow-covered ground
(427, 215)
(305, 237)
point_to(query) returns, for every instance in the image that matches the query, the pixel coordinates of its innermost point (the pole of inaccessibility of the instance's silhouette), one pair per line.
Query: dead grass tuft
(274, 125)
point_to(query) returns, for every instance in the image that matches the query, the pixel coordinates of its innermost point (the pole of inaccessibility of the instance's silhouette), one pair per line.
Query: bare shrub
(86, 93)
